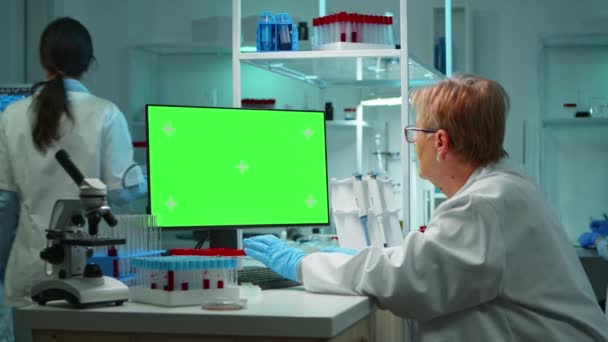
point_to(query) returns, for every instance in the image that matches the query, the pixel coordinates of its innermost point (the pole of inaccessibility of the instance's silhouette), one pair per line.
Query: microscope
(68, 276)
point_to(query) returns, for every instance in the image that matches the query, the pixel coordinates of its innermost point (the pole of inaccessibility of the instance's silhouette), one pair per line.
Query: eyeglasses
(411, 132)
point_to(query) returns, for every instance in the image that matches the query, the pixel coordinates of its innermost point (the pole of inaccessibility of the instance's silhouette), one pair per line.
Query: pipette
(376, 204)
(362, 204)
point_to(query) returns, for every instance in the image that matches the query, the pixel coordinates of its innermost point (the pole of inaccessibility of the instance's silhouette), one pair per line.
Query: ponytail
(49, 105)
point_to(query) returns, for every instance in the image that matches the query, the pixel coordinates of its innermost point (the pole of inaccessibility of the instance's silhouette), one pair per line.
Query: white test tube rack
(184, 280)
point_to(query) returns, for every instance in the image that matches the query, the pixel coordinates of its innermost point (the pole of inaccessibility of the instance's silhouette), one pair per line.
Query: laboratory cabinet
(573, 160)
(358, 332)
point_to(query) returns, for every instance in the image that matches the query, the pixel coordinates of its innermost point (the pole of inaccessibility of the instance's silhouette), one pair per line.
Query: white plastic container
(183, 298)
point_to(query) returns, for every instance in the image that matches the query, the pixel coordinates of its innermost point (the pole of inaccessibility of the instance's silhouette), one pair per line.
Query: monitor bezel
(227, 227)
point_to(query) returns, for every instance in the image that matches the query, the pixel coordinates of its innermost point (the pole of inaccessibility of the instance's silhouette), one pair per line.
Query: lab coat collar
(501, 165)
(72, 84)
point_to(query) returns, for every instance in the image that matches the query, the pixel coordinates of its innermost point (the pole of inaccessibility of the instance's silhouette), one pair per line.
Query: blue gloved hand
(276, 254)
(587, 239)
(599, 226)
(347, 251)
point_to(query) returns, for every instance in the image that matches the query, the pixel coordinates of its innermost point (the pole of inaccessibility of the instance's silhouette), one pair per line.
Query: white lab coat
(493, 265)
(99, 144)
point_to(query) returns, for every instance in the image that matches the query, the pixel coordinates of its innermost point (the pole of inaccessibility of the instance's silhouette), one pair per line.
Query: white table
(276, 315)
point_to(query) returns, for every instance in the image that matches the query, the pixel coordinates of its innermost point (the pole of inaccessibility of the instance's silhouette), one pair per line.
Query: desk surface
(586, 252)
(286, 312)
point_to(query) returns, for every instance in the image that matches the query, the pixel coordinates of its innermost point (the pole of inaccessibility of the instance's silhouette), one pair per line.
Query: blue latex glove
(122, 196)
(599, 226)
(347, 251)
(276, 254)
(587, 239)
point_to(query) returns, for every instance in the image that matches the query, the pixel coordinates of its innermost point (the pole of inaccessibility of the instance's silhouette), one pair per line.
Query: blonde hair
(472, 110)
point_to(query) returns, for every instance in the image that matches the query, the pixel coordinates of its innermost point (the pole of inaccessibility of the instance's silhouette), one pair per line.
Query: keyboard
(264, 277)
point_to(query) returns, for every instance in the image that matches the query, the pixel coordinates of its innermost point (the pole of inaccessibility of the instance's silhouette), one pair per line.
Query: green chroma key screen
(211, 167)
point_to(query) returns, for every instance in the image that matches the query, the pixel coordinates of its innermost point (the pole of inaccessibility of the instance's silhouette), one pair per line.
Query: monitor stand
(226, 238)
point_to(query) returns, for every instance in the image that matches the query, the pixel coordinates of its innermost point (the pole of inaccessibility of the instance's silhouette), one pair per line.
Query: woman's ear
(442, 142)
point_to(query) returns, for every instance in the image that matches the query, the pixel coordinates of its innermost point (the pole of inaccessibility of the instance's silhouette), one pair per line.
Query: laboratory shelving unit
(572, 161)
(357, 68)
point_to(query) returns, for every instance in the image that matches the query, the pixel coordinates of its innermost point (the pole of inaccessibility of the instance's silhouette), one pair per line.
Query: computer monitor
(13, 93)
(236, 168)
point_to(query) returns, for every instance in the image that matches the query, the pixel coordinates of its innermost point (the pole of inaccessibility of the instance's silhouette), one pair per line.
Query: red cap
(140, 144)
(258, 101)
(112, 251)
(207, 252)
(422, 229)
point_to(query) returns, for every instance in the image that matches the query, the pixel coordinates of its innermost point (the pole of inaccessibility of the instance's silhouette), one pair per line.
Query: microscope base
(81, 292)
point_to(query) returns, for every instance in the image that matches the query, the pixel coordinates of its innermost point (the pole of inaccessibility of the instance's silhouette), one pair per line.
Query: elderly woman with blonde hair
(494, 263)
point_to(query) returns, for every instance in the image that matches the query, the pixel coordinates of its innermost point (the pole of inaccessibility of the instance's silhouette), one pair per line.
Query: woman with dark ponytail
(66, 51)
(61, 114)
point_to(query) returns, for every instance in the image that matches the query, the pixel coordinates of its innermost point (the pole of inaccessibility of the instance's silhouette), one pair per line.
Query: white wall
(107, 21)
(516, 60)
(12, 36)
(38, 15)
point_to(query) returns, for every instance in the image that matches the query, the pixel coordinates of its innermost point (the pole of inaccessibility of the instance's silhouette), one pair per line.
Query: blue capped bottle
(287, 34)
(265, 33)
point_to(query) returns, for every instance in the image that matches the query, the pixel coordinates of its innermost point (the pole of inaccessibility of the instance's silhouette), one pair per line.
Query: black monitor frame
(227, 235)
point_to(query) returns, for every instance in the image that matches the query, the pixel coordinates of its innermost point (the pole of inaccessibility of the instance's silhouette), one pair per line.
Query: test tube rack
(183, 280)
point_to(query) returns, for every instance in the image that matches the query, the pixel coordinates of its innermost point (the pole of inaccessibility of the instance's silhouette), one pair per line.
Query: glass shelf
(167, 49)
(345, 123)
(362, 68)
(591, 121)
